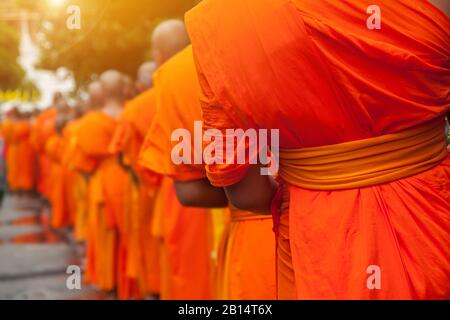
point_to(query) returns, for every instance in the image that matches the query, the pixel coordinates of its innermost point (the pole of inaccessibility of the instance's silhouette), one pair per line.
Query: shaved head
(113, 83)
(144, 79)
(57, 96)
(96, 94)
(168, 38)
(129, 91)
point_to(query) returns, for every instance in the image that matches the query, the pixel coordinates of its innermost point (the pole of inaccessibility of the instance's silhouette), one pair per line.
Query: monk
(8, 128)
(186, 232)
(43, 128)
(129, 90)
(143, 260)
(21, 160)
(178, 107)
(63, 179)
(362, 205)
(106, 180)
(79, 165)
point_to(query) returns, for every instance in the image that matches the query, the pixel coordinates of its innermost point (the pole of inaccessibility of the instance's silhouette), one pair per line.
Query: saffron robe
(241, 275)
(143, 260)
(42, 129)
(21, 160)
(316, 72)
(105, 201)
(186, 232)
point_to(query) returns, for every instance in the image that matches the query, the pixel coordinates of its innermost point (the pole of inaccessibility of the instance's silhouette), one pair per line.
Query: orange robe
(143, 260)
(8, 128)
(77, 189)
(316, 72)
(105, 235)
(61, 192)
(187, 232)
(71, 177)
(177, 91)
(21, 158)
(43, 128)
(53, 149)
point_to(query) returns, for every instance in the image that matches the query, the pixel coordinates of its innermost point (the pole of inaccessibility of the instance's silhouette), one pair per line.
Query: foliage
(11, 74)
(114, 34)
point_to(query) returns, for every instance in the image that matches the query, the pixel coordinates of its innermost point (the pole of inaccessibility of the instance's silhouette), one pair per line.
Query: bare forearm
(200, 194)
(254, 193)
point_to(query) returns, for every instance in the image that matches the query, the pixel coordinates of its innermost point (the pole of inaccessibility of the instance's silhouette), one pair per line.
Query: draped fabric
(143, 260)
(42, 129)
(177, 90)
(186, 233)
(57, 196)
(106, 230)
(176, 94)
(78, 165)
(316, 72)
(21, 158)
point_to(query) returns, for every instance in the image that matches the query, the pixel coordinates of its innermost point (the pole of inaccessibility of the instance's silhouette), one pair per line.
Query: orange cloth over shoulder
(187, 232)
(143, 257)
(93, 135)
(58, 198)
(134, 123)
(140, 115)
(42, 129)
(8, 132)
(106, 198)
(22, 159)
(178, 108)
(78, 165)
(316, 72)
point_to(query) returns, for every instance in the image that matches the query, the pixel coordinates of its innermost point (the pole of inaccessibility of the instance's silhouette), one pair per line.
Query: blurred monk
(106, 180)
(178, 107)
(43, 128)
(79, 165)
(20, 158)
(186, 232)
(143, 261)
(129, 90)
(362, 207)
(62, 203)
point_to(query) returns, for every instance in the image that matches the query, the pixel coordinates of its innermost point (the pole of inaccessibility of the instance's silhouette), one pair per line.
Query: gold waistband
(368, 162)
(240, 215)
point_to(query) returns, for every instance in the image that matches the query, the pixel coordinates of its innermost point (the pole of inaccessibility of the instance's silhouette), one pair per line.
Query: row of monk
(360, 206)
(140, 240)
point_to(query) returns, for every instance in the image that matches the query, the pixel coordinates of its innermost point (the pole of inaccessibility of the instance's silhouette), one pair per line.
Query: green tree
(113, 34)
(11, 73)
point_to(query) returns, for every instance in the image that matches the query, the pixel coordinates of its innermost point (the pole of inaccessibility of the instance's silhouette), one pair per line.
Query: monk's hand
(200, 194)
(253, 193)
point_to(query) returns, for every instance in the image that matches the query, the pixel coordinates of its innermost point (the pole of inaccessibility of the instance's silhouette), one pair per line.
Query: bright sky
(48, 82)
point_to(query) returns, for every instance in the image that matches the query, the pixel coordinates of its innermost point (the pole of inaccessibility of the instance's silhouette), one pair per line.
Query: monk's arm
(253, 193)
(200, 194)
(127, 168)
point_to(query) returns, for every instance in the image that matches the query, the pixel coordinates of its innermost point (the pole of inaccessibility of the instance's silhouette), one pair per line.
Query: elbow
(241, 202)
(243, 205)
(186, 197)
(187, 200)
(194, 195)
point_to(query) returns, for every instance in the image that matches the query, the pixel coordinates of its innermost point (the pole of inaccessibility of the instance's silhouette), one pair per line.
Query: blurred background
(39, 56)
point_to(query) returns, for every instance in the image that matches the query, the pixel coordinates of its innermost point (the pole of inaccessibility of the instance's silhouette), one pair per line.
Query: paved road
(33, 258)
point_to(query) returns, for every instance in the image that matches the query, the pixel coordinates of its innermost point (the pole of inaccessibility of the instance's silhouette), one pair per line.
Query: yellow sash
(367, 162)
